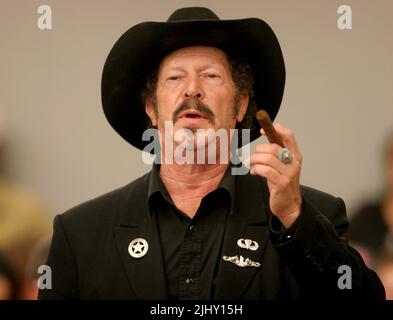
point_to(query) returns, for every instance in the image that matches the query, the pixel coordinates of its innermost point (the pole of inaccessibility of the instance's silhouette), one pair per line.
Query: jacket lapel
(146, 275)
(249, 220)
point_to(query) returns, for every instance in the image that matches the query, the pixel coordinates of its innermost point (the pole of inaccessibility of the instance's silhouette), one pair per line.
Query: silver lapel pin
(241, 262)
(248, 244)
(138, 248)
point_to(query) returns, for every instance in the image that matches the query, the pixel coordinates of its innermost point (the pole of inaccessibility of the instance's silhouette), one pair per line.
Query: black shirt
(191, 247)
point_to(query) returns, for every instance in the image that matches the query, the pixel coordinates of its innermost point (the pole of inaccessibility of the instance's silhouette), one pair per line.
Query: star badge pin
(138, 248)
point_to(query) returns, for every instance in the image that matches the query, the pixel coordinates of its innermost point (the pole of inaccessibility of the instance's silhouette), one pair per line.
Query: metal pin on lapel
(138, 248)
(248, 244)
(241, 262)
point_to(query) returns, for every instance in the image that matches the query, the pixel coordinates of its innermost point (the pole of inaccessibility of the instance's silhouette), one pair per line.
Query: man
(192, 230)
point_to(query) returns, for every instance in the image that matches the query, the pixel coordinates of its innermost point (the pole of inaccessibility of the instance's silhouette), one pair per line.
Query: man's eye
(174, 78)
(212, 75)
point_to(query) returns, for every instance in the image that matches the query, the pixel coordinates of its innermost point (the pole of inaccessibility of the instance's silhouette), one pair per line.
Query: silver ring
(285, 156)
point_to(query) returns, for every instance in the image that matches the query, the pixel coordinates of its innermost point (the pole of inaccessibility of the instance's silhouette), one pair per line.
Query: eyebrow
(175, 68)
(199, 69)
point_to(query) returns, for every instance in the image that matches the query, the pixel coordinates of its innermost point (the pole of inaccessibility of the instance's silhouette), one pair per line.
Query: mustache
(193, 103)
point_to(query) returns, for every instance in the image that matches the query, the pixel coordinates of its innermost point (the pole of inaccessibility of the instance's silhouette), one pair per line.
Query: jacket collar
(146, 275)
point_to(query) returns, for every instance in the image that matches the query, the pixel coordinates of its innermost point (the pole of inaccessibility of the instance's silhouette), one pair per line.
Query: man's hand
(283, 179)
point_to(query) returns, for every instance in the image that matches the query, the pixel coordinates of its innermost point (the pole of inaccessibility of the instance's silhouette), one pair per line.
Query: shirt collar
(227, 183)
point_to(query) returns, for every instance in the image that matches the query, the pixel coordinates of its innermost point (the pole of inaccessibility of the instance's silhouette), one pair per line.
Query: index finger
(289, 140)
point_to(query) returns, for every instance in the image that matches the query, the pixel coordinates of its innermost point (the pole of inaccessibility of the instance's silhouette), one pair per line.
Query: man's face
(195, 90)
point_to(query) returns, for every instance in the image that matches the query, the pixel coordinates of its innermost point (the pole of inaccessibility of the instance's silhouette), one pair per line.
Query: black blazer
(89, 253)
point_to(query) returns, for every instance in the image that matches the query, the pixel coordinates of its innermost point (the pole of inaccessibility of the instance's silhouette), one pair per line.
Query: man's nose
(193, 90)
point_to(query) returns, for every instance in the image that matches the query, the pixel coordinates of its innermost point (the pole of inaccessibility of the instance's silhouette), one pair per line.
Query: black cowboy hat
(142, 47)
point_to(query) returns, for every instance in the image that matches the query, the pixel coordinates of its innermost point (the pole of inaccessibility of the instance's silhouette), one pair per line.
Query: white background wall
(338, 96)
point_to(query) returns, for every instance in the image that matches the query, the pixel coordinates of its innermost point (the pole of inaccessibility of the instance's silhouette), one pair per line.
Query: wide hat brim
(142, 47)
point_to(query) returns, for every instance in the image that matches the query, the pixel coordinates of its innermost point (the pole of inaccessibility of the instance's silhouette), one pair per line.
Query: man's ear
(243, 104)
(149, 108)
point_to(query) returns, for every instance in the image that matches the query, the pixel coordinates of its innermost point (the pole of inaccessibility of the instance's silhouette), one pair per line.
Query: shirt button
(307, 253)
(192, 228)
(189, 281)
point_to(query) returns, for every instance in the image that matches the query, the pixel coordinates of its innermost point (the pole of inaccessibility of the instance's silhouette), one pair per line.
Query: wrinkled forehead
(195, 55)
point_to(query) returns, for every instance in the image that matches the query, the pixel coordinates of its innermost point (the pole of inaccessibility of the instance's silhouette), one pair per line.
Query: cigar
(267, 125)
